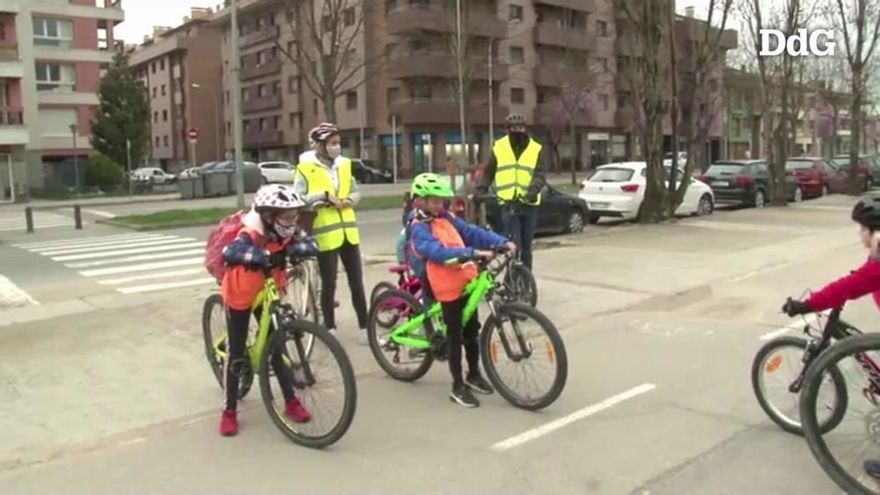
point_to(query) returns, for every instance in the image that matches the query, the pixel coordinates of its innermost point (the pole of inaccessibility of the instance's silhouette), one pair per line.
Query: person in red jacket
(863, 281)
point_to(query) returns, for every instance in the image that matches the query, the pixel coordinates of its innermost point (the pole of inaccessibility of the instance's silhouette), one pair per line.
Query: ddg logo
(773, 42)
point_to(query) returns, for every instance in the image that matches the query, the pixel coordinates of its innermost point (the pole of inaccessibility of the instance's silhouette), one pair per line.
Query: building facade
(182, 73)
(52, 55)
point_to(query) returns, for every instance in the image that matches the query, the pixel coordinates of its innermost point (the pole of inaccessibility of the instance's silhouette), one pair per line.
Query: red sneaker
(296, 411)
(229, 423)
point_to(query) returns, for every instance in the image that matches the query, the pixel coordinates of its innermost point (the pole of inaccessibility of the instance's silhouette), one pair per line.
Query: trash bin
(187, 188)
(216, 184)
(198, 187)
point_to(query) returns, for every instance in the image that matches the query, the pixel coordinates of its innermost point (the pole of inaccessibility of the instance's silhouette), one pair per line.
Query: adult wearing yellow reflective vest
(324, 177)
(515, 172)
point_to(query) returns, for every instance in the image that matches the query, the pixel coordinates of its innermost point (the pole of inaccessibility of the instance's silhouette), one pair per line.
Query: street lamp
(73, 129)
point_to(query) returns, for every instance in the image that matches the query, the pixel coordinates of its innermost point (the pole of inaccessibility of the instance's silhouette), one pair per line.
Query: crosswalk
(14, 221)
(131, 263)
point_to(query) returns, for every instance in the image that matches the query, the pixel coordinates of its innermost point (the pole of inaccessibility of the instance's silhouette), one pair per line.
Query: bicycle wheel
(775, 367)
(516, 344)
(214, 334)
(323, 382)
(390, 309)
(521, 283)
(300, 295)
(843, 451)
(380, 288)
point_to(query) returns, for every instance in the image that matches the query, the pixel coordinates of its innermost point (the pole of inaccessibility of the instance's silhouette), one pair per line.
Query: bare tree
(575, 102)
(322, 40)
(859, 20)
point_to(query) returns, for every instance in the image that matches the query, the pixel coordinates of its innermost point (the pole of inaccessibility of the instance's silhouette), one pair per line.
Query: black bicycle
(849, 450)
(780, 366)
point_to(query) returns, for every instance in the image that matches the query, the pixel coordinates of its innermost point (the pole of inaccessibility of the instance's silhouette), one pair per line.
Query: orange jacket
(447, 281)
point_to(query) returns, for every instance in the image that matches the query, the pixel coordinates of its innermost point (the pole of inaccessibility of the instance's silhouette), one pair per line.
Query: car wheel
(798, 195)
(575, 223)
(265, 180)
(706, 206)
(759, 201)
(594, 219)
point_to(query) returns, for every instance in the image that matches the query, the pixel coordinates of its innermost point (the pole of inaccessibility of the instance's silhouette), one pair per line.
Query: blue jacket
(427, 246)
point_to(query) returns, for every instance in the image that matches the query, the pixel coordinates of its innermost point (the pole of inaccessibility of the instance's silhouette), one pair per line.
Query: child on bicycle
(269, 236)
(439, 236)
(865, 280)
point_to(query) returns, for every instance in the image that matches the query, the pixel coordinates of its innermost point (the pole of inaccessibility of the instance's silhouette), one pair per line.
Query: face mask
(334, 151)
(284, 231)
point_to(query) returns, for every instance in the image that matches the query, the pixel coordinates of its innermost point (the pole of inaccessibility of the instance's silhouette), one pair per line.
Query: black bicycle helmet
(867, 211)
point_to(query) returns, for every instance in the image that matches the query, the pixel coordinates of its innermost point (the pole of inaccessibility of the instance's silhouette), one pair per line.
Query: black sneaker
(463, 395)
(478, 384)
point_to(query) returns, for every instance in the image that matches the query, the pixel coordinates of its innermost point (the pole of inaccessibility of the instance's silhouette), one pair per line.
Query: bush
(103, 172)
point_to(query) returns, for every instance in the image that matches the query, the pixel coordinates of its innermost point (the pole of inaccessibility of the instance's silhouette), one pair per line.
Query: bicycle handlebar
(469, 259)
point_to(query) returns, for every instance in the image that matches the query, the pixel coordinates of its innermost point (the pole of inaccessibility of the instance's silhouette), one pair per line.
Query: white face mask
(334, 151)
(284, 231)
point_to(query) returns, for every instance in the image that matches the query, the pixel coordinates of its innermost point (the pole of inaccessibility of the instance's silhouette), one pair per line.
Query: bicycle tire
(809, 397)
(215, 362)
(376, 348)
(558, 348)
(519, 277)
(380, 288)
(348, 380)
(307, 310)
(836, 377)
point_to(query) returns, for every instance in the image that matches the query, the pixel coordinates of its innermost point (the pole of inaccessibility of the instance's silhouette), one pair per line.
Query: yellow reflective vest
(513, 175)
(332, 226)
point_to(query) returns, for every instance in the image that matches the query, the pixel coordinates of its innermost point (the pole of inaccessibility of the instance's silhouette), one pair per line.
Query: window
(154, 91)
(516, 13)
(348, 17)
(517, 95)
(392, 95)
(390, 5)
(274, 52)
(153, 67)
(156, 116)
(421, 91)
(517, 55)
(264, 124)
(55, 77)
(262, 90)
(315, 106)
(276, 122)
(327, 24)
(163, 90)
(390, 50)
(737, 126)
(291, 49)
(261, 58)
(53, 32)
(604, 100)
(276, 88)
(162, 65)
(419, 45)
(293, 120)
(157, 141)
(289, 15)
(293, 84)
(603, 63)
(164, 115)
(602, 28)
(351, 100)
(165, 140)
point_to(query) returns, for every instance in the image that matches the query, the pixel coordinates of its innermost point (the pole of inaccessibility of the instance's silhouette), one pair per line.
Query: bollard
(29, 219)
(77, 217)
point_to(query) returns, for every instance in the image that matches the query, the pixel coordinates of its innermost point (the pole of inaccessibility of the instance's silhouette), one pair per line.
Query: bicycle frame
(265, 300)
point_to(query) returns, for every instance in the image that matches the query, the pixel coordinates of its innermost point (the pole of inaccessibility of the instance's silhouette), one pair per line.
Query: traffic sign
(192, 133)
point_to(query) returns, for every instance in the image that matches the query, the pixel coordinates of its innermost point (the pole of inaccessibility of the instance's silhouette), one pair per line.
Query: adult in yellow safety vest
(324, 177)
(514, 172)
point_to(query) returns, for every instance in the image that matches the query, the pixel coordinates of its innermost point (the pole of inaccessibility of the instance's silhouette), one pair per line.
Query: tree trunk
(329, 103)
(574, 153)
(856, 185)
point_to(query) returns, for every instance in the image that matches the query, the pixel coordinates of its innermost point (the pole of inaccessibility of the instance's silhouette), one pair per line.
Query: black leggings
(237, 326)
(456, 336)
(328, 265)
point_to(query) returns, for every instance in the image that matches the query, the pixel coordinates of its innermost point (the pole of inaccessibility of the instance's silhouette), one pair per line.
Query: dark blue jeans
(520, 223)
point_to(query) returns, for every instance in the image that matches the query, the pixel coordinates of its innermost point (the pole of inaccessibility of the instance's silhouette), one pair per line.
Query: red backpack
(218, 238)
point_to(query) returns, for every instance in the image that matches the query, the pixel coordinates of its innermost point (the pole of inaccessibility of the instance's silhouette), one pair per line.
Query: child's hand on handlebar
(794, 308)
(486, 255)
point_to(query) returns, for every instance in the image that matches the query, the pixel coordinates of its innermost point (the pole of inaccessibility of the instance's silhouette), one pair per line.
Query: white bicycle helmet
(322, 132)
(276, 197)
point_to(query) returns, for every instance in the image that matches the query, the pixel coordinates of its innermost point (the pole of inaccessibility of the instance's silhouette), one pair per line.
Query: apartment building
(181, 71)
(52, 54)
(520, 55)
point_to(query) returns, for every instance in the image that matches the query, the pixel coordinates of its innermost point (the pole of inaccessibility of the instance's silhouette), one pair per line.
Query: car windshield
(611, 175)
(792, 165)
(725, 169)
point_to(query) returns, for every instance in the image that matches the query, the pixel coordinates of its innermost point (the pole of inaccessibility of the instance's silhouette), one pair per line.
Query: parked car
(558, 213)
(746, 182)
(277, 172)
(867, 168)
(617, 190)
(189, 173)
(682, 159)
(367, 172)
(814, 175)
(208, 167)
(229, 166)
(153, 175)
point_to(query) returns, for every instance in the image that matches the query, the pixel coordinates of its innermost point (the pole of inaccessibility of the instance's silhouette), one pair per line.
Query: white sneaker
(362, 337)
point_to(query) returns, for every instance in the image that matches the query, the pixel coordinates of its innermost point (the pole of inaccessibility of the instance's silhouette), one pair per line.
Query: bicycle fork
(525, 348)
(281, 323)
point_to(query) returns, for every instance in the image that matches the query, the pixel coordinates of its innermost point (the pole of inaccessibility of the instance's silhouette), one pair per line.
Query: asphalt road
(660, 324)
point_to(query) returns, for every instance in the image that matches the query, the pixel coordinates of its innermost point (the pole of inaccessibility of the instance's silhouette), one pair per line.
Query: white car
(682, 159)
(617, 190)
(277, 172)
(190, 173)
(153, 175)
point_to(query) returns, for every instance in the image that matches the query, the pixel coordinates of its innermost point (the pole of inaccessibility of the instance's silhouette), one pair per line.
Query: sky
(142, 15)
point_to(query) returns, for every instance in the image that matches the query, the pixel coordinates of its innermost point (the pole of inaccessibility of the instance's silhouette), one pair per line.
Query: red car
(863, 169)
(813, 174)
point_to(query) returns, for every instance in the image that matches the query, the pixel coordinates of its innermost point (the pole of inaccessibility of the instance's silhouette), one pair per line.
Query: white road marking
(578, 415)
(185, 244)
(79, 240)
(139, 257)
(760, 271)
(167, 274)
(82, 243)
(796, 325)
(12, 295)
(105, 247)
(99, 213)
(169, 285)
(142, 267)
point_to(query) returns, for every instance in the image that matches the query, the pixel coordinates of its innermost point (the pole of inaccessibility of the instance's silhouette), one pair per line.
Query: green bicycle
(515, 337)
(314, 360)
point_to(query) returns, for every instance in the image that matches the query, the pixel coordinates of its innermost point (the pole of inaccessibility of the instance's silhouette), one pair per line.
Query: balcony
(624, 118)
(430, 111)
(582, 5)
(426, 64)
(12, 129)
(261, 36)
(558, 75)
(549, 112)
(252, 71)
(269, 102)
(411, 18)
(554, 35)
(267, 137)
